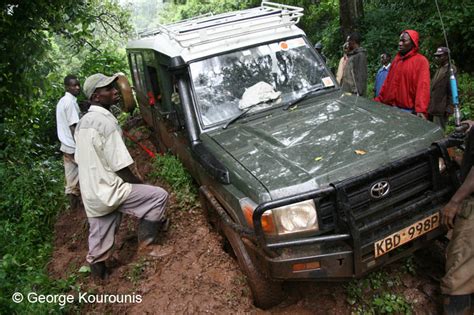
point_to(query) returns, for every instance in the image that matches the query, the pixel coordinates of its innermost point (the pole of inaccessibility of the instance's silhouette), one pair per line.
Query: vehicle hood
(322, 141)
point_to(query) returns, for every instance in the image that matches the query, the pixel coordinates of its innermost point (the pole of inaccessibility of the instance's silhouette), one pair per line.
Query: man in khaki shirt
(108, 186)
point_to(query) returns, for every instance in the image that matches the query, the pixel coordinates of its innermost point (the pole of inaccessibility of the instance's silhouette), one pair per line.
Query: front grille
(373, 219)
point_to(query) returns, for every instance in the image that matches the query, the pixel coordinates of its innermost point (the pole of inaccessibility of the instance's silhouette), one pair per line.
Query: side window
(133, 65)
(155, 86)
(170, 104)
(176, 100)
(153, 89)
(153, 83)
(140, 70)
(136, 62)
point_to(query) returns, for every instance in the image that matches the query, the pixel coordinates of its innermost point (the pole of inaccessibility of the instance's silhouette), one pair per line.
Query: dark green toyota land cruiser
(305, 182)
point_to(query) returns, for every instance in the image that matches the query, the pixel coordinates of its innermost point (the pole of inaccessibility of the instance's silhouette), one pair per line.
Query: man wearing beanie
(108, 186)
(408, 82)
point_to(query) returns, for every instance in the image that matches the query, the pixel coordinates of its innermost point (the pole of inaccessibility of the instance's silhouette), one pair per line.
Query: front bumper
(335, 260)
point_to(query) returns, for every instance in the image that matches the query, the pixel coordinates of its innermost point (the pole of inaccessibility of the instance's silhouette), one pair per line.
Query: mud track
(199, 276)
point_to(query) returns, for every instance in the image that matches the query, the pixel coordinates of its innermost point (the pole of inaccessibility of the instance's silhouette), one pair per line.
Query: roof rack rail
(209, 28)
(152, 32)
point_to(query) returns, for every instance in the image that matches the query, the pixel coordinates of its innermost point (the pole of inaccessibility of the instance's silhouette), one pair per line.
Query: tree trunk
(350, 12)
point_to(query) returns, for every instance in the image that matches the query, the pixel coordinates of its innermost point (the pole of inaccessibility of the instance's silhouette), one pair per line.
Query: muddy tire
(266, 292)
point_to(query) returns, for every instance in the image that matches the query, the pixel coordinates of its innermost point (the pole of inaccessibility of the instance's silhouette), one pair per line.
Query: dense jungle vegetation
(43, 40)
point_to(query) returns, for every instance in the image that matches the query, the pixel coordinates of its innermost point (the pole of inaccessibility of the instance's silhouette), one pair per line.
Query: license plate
(406, 235)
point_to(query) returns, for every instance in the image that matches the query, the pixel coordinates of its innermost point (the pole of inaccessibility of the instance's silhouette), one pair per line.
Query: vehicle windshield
(285, 69)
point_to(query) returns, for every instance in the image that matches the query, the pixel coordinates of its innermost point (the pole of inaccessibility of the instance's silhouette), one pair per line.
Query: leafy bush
(170, 169)
(42, 41)
(377, 294)
(30, 198)
(176, 12)
(391, 304)
(466, 95)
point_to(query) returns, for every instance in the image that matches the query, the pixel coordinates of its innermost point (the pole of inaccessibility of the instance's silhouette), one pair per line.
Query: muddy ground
(192, 273)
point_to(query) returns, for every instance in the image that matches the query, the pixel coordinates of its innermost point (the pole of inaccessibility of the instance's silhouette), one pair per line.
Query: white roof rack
(209, 28)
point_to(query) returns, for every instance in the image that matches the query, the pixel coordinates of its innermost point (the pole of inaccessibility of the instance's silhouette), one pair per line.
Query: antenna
(454, 86)
(444, 32)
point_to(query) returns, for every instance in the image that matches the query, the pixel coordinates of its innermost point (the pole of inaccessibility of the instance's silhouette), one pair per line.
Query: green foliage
(41, 42)
(466, 94)
(135, 274)
(109, 61)
(410, 266)
(175, 12)
(391, 304)
(122, 118)
(28, 29)
(30, 198)
(466, 100)
(169, 168)
(384, 20)
(377, 294)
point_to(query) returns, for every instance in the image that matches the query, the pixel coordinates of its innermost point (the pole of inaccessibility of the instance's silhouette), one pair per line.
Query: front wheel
(266, 292)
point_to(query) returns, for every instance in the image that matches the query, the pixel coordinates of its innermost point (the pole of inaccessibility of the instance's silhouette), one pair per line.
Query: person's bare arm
(127, 175)
(454, 205)
(468, 124)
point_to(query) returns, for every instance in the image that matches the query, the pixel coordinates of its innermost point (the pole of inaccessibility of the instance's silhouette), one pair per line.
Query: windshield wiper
(239, 115)
(305, 96)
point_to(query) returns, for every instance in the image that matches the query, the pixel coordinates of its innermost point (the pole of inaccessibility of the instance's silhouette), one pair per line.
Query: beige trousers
(459, 277)
(144, 202)
(71, 174)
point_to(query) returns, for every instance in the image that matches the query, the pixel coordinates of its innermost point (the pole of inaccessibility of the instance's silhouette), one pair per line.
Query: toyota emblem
(379, 189)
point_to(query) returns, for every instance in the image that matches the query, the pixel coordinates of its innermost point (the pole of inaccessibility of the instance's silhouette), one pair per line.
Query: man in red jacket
(408, 82)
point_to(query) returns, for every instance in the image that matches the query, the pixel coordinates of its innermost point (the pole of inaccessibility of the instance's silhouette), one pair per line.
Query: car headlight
(297, 217)
(441, 165)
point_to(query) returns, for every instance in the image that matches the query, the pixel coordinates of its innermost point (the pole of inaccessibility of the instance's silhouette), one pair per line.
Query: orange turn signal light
(306, 266)
(267, 220)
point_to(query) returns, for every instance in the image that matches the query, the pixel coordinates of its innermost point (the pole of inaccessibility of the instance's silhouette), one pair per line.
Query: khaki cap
(96, 81)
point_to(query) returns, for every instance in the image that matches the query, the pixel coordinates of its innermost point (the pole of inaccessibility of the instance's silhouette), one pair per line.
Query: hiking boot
(164, 224)
(99, 270)
(147, 231)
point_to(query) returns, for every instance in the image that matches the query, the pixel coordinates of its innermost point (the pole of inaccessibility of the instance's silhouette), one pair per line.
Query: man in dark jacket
(354, 77)
(408, 82)
(440, 104)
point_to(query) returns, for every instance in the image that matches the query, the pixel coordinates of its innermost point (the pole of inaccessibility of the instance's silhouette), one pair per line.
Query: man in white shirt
(67, 116)
(108, 186)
